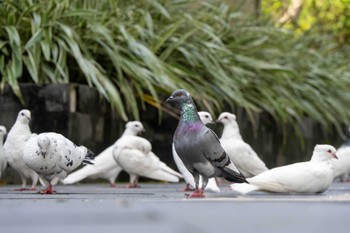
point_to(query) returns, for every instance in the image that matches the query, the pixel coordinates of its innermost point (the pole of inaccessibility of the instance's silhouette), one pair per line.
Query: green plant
(133, 52)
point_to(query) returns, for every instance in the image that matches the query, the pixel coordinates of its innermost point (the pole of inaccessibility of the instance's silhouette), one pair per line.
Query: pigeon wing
(103, 164)
(214, 152)
(303, 177)
(244, 157)
(136, 162)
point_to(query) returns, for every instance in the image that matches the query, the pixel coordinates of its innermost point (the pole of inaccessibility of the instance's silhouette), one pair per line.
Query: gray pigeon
(198, 146)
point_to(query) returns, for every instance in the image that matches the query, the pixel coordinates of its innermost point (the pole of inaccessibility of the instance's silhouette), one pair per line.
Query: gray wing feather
(213, 150)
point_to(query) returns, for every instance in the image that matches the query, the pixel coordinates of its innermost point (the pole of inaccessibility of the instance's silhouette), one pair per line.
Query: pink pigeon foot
(22, 189)
(49, 190)
(198, 193)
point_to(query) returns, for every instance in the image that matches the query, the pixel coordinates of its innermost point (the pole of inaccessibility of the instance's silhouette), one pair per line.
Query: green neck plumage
(189, 112)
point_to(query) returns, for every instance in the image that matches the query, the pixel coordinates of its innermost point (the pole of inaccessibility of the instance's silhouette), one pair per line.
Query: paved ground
(161, 208)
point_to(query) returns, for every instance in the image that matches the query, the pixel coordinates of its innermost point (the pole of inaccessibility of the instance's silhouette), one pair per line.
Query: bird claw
(22, 189)
(195, 194)
(49, 190)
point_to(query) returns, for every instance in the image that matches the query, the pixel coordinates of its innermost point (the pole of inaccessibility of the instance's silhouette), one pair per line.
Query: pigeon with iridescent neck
(240, 152)
(198, 146)
(212, 186)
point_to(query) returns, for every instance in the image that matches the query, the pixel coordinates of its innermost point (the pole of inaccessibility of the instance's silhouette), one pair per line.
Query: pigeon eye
(206, 116)
(136, 126)
(179, 94)
(22, 114)
(225, 117)
(329, 151)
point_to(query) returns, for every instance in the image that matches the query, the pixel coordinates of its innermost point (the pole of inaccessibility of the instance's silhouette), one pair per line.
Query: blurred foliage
(135, 51)
(326, 16)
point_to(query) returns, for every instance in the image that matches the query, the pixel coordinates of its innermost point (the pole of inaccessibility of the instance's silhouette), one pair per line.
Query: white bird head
(324, 153)
(44, 143)
(231, 128)
(133, 128)
(226, 118)
(24, 116)
(205, 117)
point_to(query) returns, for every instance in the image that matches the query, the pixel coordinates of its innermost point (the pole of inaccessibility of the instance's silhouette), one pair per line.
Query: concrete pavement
(161, 208)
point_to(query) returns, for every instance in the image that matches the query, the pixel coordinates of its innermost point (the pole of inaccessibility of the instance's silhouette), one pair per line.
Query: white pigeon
(134, 154)
(314, 176)
(212, 186)
(105, 166)
(14, 144)
(342, 165)
(240, 152)
(53, 156)
(3, 162)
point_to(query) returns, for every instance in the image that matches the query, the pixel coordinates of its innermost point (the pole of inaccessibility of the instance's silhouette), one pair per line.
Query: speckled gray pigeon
(53, 156)
(198, 146)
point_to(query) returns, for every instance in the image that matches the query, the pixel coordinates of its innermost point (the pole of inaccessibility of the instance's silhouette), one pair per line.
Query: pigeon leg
(33, 185)
(24, 182)
(134, 179)
(204, 182)
(48, 190)
(198, 192)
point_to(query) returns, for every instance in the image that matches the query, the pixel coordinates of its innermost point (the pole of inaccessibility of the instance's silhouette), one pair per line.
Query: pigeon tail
(244, 188)
(169, 170)
(79, 175)
(90, 156)
(233, 176)
(162, 175)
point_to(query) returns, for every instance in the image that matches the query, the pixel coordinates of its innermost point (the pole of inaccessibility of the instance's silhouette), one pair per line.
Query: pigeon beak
(335, 156)
(43, 153)
(169, 100)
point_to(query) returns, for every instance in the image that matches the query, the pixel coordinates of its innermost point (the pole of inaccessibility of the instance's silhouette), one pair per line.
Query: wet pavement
(162, 208)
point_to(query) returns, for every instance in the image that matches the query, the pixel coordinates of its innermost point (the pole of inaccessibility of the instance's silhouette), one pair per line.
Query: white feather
(14, 145)
(105, 166)
(342, 165)
(134, 154)
(314, 176)
(240, 152)
(52, 155)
